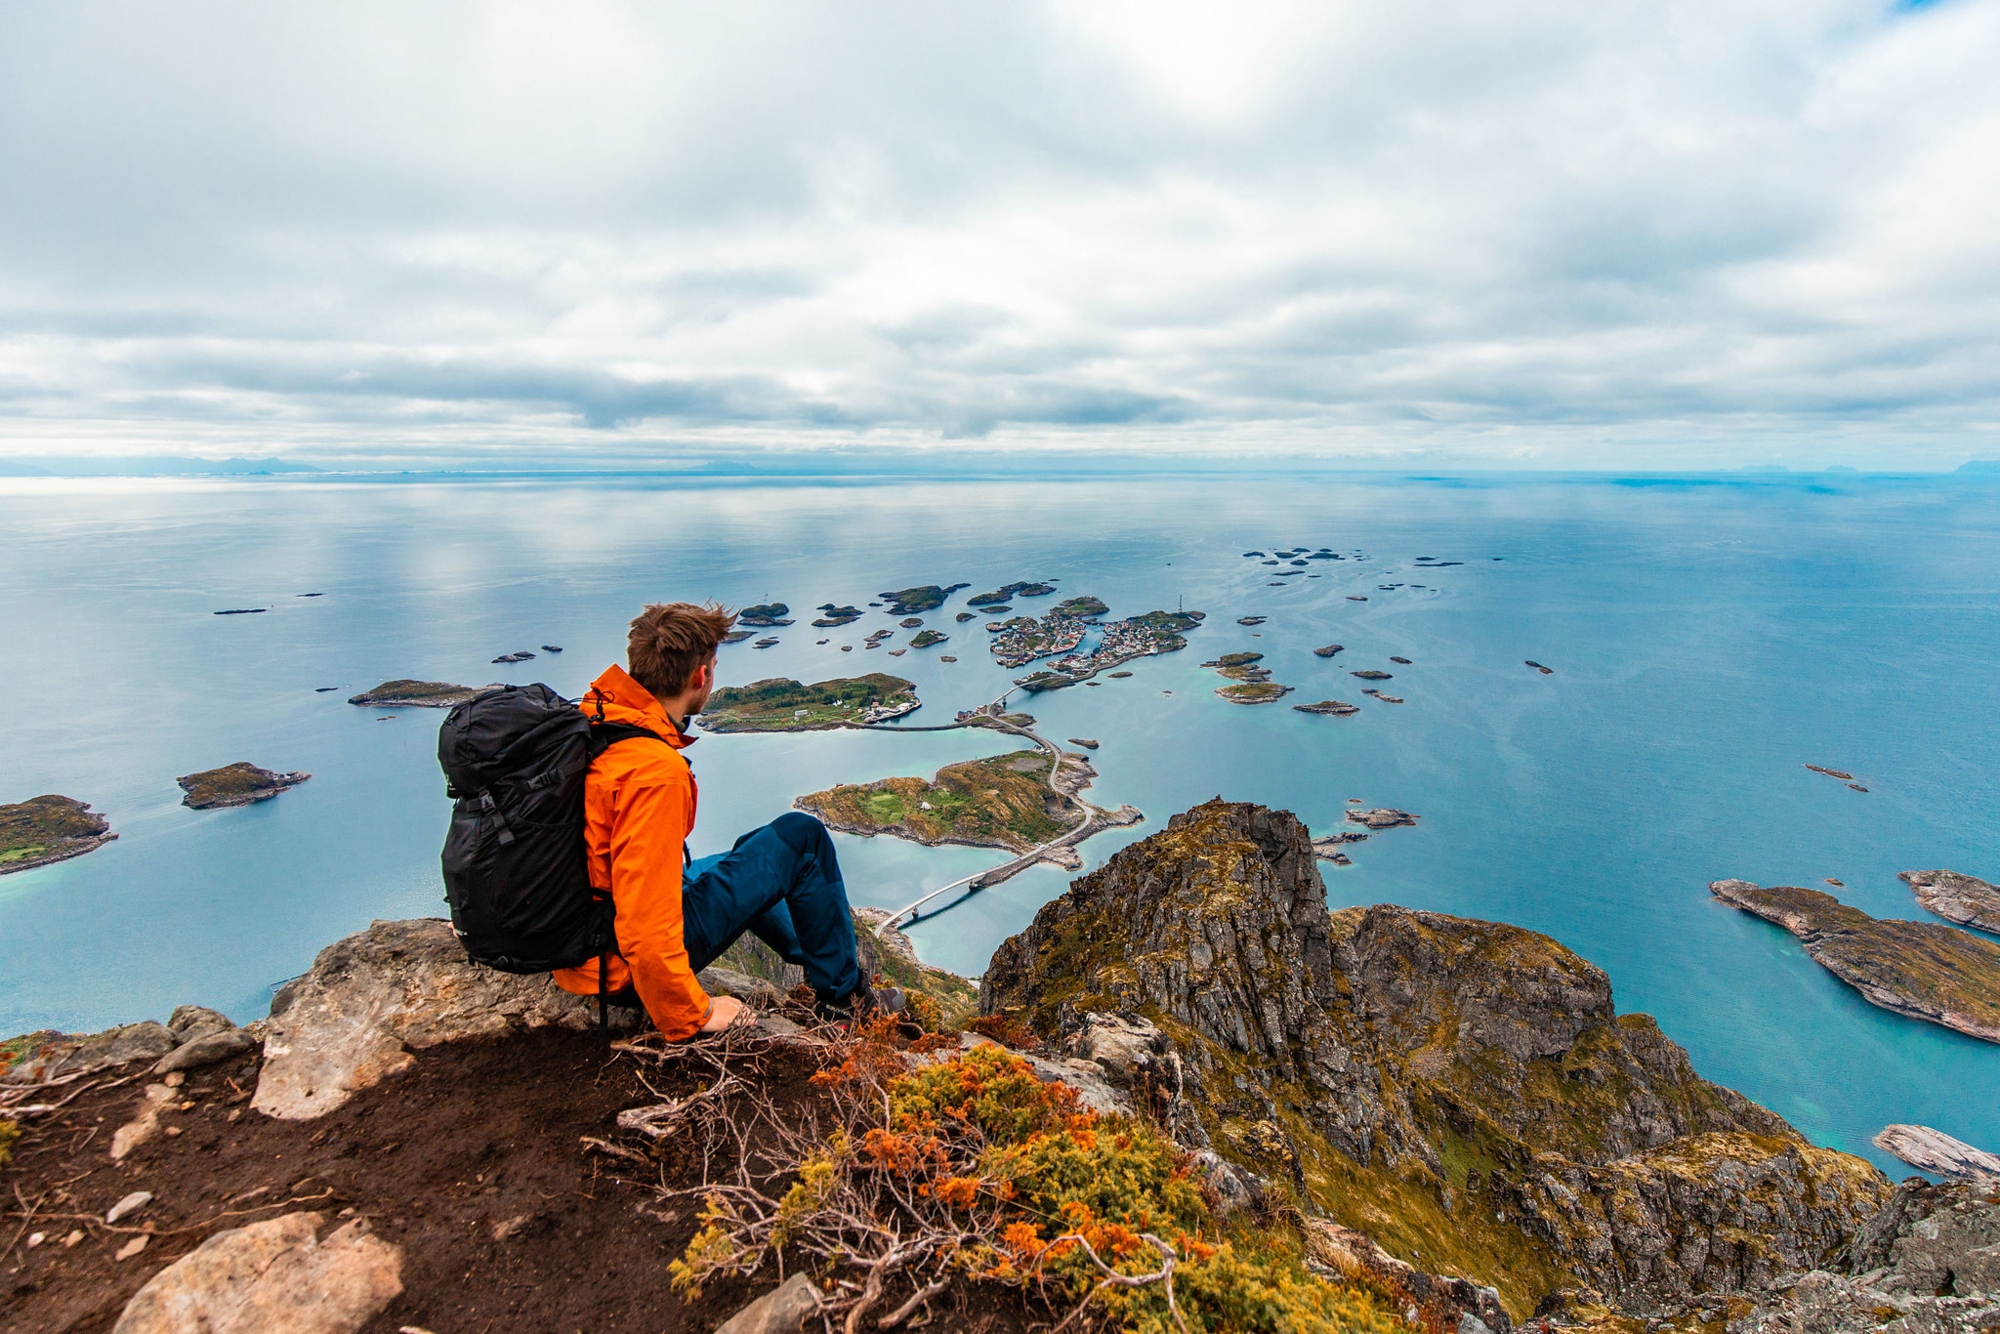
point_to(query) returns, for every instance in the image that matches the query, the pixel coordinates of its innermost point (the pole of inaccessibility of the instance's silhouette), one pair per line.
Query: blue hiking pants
(782, 884)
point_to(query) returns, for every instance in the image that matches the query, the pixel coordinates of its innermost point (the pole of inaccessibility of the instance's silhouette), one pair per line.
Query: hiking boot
(861, 1005)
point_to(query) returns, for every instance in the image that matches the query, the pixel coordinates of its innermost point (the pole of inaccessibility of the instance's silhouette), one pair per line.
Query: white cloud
(1627, 234)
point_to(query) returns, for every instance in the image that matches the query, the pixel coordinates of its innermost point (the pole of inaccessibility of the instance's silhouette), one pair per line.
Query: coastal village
(1024, 640)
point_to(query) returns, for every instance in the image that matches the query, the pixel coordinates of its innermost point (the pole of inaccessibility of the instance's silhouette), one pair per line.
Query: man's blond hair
(669, 640)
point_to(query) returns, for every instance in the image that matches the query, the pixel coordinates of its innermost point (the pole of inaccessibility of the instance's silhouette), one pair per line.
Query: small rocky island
(909, 601)
(1936, 973)
(1007, 594)
(49, 829)
(238, 784)
(404, 694)
(1328, 651)
(763, 616)
(926, 638)
(836, 615)
(779, 704)
(1964, 899)
(1332, 707)
(1254, 692)
(1384, 817)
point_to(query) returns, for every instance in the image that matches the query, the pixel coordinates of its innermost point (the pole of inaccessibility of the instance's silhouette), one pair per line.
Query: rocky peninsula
(1930, 972)
(405, 694)
(1934, 1151)
(779, 704)
(48, 829)
(1964, 899)
(238, 784)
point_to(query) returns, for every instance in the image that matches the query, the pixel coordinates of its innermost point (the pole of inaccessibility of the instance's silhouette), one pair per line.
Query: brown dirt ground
(476, 1135)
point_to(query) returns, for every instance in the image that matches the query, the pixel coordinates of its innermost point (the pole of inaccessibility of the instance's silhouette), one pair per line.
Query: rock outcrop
(1964, 899)
(1919, 969)
(1464, 1092)
(351, 1021)
(1927, 1263)
(275, 1275)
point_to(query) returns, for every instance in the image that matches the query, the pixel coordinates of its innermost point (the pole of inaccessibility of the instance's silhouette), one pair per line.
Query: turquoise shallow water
(1710, 636)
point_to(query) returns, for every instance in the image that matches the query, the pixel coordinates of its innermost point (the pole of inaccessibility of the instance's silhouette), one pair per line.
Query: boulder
(210, 1047)
(143, 1041)
(783, 1310)
(189, 1022)
(270, 1276)
(755, 992)
(371, 998)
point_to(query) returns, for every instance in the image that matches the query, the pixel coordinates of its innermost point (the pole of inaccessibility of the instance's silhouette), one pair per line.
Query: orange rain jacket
(638, 804)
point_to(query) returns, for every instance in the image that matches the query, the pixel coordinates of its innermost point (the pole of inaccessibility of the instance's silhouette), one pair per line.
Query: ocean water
(1710, 637)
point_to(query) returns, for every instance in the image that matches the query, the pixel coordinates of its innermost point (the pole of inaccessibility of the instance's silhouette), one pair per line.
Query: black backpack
(515, 872)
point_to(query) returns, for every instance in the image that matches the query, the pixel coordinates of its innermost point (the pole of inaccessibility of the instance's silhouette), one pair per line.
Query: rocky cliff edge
(1464, 1092)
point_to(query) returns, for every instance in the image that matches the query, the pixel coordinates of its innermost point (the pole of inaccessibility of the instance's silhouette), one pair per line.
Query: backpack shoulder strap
(605, 735)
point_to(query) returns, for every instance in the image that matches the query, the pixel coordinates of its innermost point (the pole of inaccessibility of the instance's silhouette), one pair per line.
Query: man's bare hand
(724, 1011)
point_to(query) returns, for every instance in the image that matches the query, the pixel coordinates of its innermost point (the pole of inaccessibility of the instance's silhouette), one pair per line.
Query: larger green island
(48, 829)
(779, 704)
(1920, 969)
(1024, 801)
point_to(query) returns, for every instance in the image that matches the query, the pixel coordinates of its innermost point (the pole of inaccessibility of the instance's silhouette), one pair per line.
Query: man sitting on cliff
(780, 882)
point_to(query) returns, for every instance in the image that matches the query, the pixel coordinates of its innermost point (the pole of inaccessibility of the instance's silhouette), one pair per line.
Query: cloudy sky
(1524, 234)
